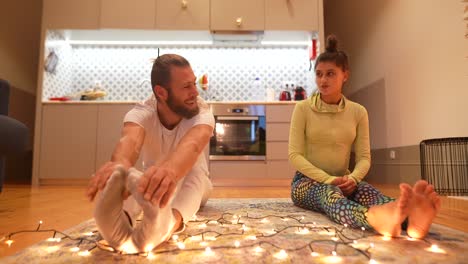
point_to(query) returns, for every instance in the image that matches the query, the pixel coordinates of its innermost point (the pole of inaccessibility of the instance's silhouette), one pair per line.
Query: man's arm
(159, 182)
(126, 153)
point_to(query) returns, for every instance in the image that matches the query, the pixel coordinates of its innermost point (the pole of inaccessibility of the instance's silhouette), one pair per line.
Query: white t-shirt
(159, 141)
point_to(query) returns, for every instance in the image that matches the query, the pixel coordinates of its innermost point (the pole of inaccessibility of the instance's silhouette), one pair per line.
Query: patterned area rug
(258, 231)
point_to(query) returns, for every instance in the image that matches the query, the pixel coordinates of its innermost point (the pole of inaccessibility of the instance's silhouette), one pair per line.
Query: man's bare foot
(424, 206)
(387, 218)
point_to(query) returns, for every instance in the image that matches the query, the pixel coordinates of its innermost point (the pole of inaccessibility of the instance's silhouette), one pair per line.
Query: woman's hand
(348, 185)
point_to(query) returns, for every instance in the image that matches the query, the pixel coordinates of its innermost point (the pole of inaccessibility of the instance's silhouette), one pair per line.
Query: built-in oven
(239, 133)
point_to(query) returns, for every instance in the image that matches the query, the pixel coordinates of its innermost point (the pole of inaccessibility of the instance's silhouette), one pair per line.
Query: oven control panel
(238, 110)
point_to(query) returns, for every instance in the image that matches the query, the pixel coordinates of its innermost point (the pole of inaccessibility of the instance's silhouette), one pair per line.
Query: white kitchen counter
(133, 102)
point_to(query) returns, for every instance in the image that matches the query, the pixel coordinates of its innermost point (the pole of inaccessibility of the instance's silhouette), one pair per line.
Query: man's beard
(179, 108)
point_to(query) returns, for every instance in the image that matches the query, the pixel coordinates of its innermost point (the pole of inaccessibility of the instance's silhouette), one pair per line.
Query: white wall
(409, 66)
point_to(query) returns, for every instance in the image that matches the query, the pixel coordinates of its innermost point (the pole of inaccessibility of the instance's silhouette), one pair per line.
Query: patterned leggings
(326, 198)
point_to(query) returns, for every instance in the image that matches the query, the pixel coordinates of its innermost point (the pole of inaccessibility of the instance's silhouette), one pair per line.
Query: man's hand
(157, 185)
(99, 179)
(348, 186)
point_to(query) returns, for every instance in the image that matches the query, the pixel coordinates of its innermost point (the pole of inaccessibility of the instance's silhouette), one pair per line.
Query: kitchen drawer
(279, 113)
(237, 169)
(277, 132)
(280, 169)
(277, 151)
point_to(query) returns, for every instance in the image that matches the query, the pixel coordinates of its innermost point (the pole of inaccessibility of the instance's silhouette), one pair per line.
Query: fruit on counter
(92, 94)
(204, 82)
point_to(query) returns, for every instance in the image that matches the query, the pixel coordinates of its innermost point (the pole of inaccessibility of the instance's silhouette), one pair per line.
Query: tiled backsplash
(120, 69)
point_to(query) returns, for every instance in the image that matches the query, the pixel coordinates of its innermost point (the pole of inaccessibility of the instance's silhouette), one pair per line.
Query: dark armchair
(13, 134)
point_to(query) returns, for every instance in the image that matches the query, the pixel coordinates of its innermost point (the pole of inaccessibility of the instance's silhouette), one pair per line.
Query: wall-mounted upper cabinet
(237, 15)
(76, 14)
(128, 14)
(292, 15)
(183, 14)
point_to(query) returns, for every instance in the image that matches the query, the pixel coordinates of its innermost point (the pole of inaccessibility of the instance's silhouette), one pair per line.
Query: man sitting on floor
(171, 129)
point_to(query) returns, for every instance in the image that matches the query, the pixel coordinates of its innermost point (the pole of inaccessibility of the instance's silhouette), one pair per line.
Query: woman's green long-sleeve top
(322, 136)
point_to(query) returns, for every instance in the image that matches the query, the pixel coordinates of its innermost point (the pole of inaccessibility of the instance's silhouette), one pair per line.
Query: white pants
(157, 223)
(191, 193)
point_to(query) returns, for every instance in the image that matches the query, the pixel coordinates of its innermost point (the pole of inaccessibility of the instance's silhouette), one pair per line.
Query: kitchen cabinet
(71, 14)
(68, 141)
(109, 127)
(183, 14)
(278, 119)
(128, 14)
(292, 15)
(237, 15)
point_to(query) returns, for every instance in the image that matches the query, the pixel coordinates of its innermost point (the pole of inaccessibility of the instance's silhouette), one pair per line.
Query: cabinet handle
(239, 21)
(184, 4)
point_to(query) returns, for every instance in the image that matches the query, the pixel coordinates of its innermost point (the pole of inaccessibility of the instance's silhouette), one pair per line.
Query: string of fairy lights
(243, 237)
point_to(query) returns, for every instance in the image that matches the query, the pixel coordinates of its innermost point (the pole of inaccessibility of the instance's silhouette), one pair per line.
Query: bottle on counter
(258, 91)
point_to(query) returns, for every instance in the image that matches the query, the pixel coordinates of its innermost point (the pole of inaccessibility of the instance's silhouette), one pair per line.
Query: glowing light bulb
(281, 254)
(208, 251)
(151, 256)
(203, 243)
(149, 247)
(363, 228)
(9, 242)
(74, 249)
(40, 222)
(258, 249)
(332, 259)
(303, 231)
(435, 249)
(195, 238)
(180, 245)
(345, 225)
(355, 241)
(236, 243)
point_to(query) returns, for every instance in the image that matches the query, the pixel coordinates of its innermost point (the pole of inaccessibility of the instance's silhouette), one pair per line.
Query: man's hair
(161, 71)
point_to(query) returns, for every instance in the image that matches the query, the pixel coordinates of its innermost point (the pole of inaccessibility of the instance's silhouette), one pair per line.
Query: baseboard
(403, 166)
(220, 182)
(251, 182)
(63, 182)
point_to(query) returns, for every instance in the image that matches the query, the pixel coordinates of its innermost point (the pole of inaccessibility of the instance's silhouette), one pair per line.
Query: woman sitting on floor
(324, 128)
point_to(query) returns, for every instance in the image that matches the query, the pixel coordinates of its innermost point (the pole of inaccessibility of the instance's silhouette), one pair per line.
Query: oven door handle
(237, 117)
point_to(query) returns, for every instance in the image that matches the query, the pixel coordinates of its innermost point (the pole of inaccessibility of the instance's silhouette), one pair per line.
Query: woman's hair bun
(332, 44)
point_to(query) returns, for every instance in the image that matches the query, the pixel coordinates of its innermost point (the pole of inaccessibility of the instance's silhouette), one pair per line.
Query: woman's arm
(362, 148)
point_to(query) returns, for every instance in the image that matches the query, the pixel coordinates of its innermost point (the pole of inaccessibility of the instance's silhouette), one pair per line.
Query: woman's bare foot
(387, 218)
(424, 206)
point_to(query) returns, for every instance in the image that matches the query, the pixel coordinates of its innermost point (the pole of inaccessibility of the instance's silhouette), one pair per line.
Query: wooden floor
(23, 206)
